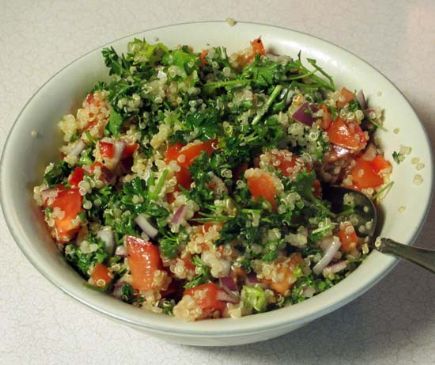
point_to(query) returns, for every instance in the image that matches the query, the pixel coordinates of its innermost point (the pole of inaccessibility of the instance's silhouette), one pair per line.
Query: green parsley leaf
(142, 52)
(170, 244)
(398, 157)
(84, 260)
(202, 273)
(58, 173)
(115, 123)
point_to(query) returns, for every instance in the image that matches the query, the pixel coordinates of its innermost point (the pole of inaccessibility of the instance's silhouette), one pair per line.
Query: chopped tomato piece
(348, 238)
(107, 149)
(101, 276)
(364, 175)
(170, 198)
(290, 164)
(202, 57)
(379, 163)
(261, 185)
(258, 47)
(183, 177)
(188, 264)
(208, 225)
(172, 152)
(345, 97)
(193, 150)
(206, 296)
(288, 278)
(184, 156)
(67, 205)
(112, 152)
(90, 98)
(91, 124)
(238, 272)
(129, 149)
(326, 117)
(280, 286)
(105, 174)
(144, 260)
(76, 176)
(347, 134)
(317, 188)
(286, 163)
(95, 165)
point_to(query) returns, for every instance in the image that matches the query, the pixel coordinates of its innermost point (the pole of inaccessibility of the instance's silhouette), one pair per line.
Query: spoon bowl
(353, 204)
(364, 215)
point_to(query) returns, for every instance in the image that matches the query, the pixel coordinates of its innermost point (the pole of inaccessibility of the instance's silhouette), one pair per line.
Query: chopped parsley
(398, 157)
(202, 273)
(88, 253)
(58, 173)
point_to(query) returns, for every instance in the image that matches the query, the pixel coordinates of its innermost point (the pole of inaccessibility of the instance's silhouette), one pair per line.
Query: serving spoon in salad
(366, 216)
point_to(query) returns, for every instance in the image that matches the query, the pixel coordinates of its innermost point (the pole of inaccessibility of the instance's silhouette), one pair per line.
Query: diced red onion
(121, 251)
(361, 99)
(106, 235)
(117, 289)
(226, 297)
(325, 243)
(78, 147)
(308, 292)
(179, 214)
(146, 226)
(252, 278)
(228, 284)
(335, 268)
(304, 114)
(106, 175)
(329, 254)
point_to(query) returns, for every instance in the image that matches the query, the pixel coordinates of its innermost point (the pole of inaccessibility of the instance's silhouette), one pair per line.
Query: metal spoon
(365, 211)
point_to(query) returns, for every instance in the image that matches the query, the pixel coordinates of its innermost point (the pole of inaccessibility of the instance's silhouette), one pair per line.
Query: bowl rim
(189, 329)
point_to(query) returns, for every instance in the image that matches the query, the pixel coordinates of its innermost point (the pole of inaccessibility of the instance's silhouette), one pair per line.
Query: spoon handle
(420, 256)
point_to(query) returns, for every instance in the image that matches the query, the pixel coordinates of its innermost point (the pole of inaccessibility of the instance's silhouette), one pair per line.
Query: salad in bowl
(190, 183)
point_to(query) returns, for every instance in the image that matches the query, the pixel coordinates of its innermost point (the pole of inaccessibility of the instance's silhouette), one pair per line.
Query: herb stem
(269, 102)
(159, 186)
(381, 194)
(210, 86)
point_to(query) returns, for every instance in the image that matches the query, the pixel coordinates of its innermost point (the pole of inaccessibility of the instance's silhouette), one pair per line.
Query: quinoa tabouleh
(191, 183)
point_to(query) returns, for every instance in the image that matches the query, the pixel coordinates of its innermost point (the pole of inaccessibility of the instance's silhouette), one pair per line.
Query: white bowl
(25, 156)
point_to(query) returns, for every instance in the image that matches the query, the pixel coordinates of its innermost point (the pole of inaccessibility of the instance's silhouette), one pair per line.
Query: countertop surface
(393, 323)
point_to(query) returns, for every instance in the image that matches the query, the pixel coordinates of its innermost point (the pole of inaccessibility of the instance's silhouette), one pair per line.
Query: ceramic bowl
(25, 155)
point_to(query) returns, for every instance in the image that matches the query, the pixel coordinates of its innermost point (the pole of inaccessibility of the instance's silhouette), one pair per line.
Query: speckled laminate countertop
(393, 323)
